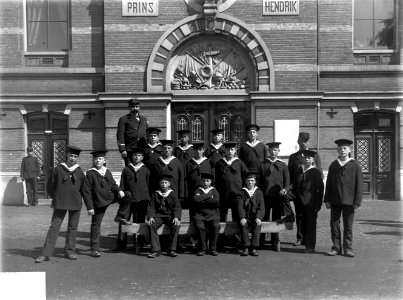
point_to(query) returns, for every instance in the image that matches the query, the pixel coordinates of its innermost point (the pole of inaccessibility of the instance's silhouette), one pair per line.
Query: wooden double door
(48, 136)
(375, 152)
(200, 118)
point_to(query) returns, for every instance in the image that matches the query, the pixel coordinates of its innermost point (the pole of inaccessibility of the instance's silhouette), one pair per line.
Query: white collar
(207, 190)
(167, 161)
(199, 161)
(250, 192)
(166, 194)
(254, 144)
(102, 171)
(229, 162)
(342, 163)
(136, 168)
(273, 161)
(305, 170)
(217, 146)
(153, 146)
(72, 168)
(185, 148)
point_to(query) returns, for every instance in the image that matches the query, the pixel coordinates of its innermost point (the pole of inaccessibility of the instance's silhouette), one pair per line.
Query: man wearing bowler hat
(132, 130)
(31, 173)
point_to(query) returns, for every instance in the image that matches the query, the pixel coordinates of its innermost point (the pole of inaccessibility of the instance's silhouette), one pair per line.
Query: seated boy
(251, 211)
(207, 215)
(164, 208)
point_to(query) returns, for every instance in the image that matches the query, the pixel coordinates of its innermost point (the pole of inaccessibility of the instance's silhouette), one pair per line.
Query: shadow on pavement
(395, 233)
(386, 223)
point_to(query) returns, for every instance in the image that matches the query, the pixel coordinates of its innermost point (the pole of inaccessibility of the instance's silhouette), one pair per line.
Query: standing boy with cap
(131, 130)
(216, 149)
(153, 148)
(66, 195)
(31, 173)
(274, 180)
(295, 162)
(343, 196)
(252, 152)
(99, 190)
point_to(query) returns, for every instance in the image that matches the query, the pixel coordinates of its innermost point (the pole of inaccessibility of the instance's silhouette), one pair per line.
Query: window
(374, 24)
(47, 25)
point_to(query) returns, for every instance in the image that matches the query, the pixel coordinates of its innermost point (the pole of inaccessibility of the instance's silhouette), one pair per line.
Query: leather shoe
(310, 251)
(244, 252)
(254, 252)
(153, 254)
(200, 253)
(95, 254)
(333, 252)
(297, 243)
(172, 253)
(70, 256)
(213, 253)
(349, 253)
(41, 259)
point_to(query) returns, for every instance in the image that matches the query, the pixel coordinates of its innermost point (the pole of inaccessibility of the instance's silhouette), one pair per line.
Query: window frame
(50, 52)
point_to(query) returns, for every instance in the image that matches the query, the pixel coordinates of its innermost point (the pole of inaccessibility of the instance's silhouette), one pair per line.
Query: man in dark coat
(343, 196)
(31, 173)
(131, 130)
(295, 161)
(66, 195)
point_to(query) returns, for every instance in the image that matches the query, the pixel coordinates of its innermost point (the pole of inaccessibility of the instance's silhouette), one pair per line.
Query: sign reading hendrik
(139, 8)
(280, 7)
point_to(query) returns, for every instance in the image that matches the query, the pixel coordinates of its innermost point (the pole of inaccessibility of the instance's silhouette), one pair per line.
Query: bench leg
(137, 244)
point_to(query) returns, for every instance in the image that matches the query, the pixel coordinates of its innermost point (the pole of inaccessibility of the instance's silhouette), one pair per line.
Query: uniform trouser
(275, 207)
(53, 232)
(348, 217)
(308, 223)
(245, 234)
(227, 203)
(207, 231)
(96, 221)
(155, 241)
(299, 210)
(32, 190)
(128, 209)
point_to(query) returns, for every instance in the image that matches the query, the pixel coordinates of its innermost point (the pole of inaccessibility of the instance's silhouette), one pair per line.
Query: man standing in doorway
(132, 130)
(31, 173)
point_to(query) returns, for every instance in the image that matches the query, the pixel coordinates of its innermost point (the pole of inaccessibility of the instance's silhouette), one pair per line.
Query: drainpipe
(168, 120)
(317, 74)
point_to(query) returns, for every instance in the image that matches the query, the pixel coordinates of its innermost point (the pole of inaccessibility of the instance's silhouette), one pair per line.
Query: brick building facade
(202, 64)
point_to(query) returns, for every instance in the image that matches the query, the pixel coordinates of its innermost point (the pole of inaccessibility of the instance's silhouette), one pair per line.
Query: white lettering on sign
(141, 8)
(280, 7)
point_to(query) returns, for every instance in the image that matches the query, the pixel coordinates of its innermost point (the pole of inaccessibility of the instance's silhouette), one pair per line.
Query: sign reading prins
(140, 8)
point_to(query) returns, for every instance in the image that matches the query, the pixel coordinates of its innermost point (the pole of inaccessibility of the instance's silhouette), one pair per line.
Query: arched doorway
(48, 136)
(375, 152)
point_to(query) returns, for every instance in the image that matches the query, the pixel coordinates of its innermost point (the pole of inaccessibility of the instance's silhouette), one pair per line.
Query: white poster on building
(286, 132)
(139, 8)
(280, 7)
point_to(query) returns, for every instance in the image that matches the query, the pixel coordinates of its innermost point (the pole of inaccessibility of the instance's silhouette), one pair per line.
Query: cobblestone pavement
(375, 272)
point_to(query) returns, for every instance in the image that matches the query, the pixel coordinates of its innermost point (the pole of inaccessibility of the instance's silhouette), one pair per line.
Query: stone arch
(224, 26)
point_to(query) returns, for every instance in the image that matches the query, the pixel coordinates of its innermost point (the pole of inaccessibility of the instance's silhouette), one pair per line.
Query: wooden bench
(188, 228)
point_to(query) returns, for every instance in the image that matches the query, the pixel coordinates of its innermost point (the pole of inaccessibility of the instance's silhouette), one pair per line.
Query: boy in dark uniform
(309, 190)
(274, 180)
(207, 215)
(343, 196)
(168, 163)
(65, 190)
(228, 181)
(197, 165)
(295, 162)
(134, 181)
(153, 149)
(252, 152)
(216, 149)
(164, 208)
(251, 211)
(31, 173)
(99, 191)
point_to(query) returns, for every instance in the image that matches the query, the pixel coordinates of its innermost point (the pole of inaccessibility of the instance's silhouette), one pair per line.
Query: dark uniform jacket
(272, 178)
(250, 208)
(193, 171)
(344, 183)
(99, 190)
(175, 168)
(151, 154)
(295, 162)
(30, 167)
(160, 206)
(131, 132)
(206, 204)
(135, 183)
(66, 187)
(309, 188)
(252, 156)
(228, 178)
(214, 154)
